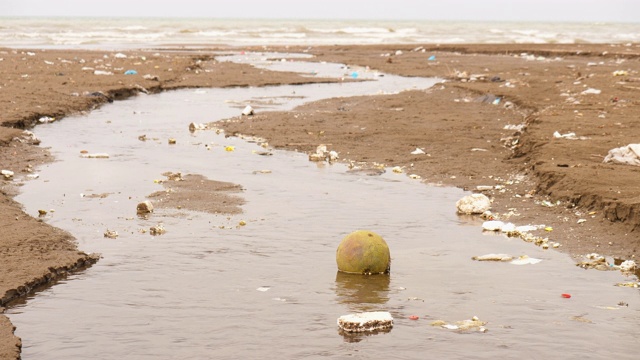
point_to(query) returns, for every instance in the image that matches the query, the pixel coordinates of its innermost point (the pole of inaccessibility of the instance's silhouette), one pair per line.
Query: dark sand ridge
(531, 164)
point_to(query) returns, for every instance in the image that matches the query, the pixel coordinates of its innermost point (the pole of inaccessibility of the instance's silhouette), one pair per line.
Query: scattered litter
(248, 110)
(432, 58)
(493, 257)
(629, 284)
(418, 151)
(366, 322)
(195, 126)
(525, 260)
(415, 177)
(580, 221)
(566, 296)
(262, 172)
(414, 317)
(145, 207)
(120, 56)
(263, 288)
(151, 77)
(465, 325)
(157, 230)
(229, 148)
(102, 72)
(172, 141)
(322, 154)
(626, 155)
(570, 136)
(8, 174)
(242, 223)
(46, 119)
(95, 156)
(131, 72)
(627, 266)
(111, 234)
(484, 187)
(473, 204)
(42, 212)
(397, 169)
(591, 91)
(620, 73)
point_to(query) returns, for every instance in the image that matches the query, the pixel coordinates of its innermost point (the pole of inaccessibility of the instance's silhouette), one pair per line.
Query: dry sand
(465, 140)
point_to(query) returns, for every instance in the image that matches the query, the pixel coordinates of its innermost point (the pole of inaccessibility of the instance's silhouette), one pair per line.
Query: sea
(103, 32)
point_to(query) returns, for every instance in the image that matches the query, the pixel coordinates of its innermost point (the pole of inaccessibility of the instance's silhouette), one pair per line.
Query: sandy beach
(490, 124)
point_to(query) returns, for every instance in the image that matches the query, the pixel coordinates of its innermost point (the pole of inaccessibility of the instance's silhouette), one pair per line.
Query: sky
(477, 10)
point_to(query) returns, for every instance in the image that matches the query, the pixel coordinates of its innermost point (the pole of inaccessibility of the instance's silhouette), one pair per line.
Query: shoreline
(445, 121)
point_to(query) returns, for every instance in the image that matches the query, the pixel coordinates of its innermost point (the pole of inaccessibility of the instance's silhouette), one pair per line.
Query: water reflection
(362, 292)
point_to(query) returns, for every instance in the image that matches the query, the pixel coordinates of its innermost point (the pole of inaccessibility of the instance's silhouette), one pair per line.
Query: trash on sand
(131, 72)
(366, 322)
(171, 141)
(262, 172)
(484, 187)
(242, 223)
(570, 135)
(418, 151)
(591, 91)
(595, 261)
(493, 257)
(8, 174)
(42, 212)
(432, 58)
(414, 317)
(120, 56)
(145, 207)
(620, 73)
(363, 252)
(397, 169)
(157, 230)
(626, 155)
(151, 77)
(102, 72)
(229, 148)
(415, 177)
(525, 260)
(95, 156)
(111, 234)
(566, 296)
(195, 126)
(46, 119)
(627, 266)
(473, 204)
(248, 110)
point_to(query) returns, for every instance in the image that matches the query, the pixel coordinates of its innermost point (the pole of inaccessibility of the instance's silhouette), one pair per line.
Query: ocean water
(152, 32)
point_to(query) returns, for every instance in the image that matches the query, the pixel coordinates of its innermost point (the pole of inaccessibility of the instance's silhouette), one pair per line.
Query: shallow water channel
(210, 289)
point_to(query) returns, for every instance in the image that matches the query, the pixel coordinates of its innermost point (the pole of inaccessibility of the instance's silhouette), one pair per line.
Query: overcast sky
(504, 10)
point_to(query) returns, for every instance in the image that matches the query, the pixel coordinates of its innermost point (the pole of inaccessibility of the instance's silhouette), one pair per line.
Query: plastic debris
(171, 141)
(8, 174)
(397, 169)
(322, 154)
(566, 296)
(248, 110)
(591, 91)
(414, 317)
(42, 212)
(626, 155)
(465, 325)
(120, 56)
(264, 288)
(493, 257)
(432, 58)
(418, 151)
(525, 260)
(95, 156)
(473, 204)
(46, 119)
(131, 72)
(627, 266)
(620, 73)
(195, 126)
(145, 207)
(366, 322)
(229, 148)
(157, 230)
(102, 72)
(629, 284)
(415, 177)
(111, 234)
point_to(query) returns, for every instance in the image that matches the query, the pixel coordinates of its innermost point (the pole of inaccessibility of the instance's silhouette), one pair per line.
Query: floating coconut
(363, 252)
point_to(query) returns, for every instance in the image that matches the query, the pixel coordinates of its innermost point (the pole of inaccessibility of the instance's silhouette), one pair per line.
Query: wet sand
(465, 140)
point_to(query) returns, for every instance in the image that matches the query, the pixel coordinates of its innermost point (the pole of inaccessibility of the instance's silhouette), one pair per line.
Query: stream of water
(208, 289)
